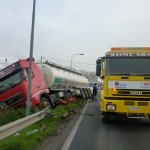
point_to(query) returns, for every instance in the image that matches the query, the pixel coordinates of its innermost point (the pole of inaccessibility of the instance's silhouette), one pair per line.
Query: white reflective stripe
(72, 133)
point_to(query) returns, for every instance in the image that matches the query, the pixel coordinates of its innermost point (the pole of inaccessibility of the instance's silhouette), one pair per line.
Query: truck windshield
(10, 81)
(128, 66)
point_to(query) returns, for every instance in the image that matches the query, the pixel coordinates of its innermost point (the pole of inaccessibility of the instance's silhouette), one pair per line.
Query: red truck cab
(14, 84)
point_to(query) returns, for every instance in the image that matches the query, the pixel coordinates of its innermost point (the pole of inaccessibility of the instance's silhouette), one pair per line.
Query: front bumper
(126, 107)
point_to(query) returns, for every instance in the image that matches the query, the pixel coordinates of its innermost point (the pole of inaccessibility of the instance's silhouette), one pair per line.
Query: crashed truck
(51, 84)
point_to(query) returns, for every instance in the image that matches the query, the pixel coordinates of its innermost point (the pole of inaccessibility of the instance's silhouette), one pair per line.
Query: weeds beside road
(31, 137)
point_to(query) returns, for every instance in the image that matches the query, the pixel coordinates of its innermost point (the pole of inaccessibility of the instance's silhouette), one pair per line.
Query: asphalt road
(91, 134)
(119, 134)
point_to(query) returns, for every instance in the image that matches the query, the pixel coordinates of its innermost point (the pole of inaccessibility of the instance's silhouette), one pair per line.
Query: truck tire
(86, 93)
(46, 102)
(90, 94)
(105, 117)
(83, 94)
(69, 95)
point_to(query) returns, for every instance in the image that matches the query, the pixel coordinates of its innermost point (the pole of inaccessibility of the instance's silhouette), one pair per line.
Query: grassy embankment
(32, 136)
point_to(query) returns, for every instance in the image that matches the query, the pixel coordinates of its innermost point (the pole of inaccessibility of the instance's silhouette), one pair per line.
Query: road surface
(89, 133)
(119, 134)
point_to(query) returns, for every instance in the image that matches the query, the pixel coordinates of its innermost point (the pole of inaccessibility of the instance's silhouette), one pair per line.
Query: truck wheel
(46, 103)
(90, 94)
(83, 94)
(105, 117)
(86, 94)
(69, 95)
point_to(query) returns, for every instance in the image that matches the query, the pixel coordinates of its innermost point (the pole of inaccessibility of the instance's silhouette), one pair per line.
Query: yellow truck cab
(126, 76)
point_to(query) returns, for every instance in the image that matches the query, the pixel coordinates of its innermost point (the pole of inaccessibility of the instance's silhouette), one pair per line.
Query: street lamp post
(72, 58)
(28, 105)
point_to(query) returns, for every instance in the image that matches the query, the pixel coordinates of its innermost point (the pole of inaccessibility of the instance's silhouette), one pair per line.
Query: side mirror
(98, 67)
(98, 70)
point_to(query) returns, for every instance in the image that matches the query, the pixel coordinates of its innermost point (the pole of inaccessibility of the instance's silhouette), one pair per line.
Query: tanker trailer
(64, 83)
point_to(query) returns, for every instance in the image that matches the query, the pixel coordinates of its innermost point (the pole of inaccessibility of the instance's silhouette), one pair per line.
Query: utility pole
(28, 102)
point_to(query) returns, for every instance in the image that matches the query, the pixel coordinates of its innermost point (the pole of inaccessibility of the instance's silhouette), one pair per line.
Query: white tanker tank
(57, 78)
(60, 78)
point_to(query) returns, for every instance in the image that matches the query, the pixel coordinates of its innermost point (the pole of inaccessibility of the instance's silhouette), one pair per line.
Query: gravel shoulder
(55, 142)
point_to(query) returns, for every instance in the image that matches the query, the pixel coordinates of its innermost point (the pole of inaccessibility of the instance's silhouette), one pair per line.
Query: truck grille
(129, 103)
(14, 99)
(130, 95)
(133, 93)
(142, 103)
(132, 103)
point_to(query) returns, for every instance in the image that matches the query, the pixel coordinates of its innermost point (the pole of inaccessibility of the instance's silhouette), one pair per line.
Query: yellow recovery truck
(126, 76)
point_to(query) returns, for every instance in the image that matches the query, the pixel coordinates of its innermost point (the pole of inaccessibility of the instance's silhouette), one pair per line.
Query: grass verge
(32, 136)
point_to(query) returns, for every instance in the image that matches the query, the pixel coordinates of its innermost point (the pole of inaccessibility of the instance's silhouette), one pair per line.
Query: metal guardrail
(20, 124)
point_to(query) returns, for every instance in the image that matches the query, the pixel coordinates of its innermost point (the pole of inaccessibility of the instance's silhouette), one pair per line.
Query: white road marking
(73, 131)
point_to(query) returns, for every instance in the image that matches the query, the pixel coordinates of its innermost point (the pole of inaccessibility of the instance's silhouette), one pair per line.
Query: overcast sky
(67, 27)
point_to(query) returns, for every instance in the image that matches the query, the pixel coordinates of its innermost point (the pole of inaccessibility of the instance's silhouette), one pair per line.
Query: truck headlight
(111, 107)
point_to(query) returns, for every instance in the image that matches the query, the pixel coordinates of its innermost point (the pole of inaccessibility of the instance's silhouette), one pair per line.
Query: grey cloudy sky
(67, 27)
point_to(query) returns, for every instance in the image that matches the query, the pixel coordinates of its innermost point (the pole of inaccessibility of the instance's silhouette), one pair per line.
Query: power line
(4, 62)
(68, 61)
